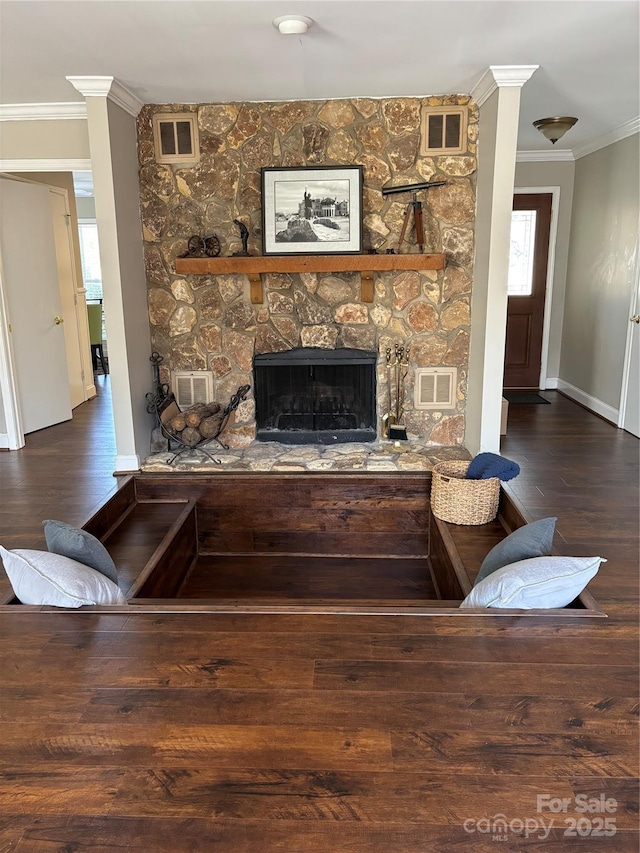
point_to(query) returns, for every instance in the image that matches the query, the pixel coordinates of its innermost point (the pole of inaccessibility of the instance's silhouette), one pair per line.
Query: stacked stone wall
(203, 322)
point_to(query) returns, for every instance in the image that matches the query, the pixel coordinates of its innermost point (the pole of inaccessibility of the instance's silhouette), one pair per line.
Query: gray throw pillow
(80, 546)
(528, 541)
(43, 578)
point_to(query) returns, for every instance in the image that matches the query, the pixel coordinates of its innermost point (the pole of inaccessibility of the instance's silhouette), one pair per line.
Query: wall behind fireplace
(208, 322)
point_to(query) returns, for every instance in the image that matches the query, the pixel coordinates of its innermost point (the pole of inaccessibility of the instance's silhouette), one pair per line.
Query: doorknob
(635, 318)
(58, 320)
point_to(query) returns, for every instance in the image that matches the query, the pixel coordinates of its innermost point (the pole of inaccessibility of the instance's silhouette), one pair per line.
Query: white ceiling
(179, 51)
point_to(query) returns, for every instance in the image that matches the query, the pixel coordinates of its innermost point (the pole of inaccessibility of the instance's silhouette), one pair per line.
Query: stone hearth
(265, 457)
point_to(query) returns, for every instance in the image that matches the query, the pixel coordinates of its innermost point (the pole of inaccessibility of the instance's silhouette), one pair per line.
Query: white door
(66, 279)
(30, 281)
(631, 393)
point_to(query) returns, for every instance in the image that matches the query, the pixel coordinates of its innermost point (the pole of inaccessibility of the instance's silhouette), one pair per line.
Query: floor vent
(192, 386)
(435, 388)
(443, 130)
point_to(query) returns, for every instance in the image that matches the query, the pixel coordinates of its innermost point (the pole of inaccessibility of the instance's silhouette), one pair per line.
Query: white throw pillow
(39, 577)
(540, 582)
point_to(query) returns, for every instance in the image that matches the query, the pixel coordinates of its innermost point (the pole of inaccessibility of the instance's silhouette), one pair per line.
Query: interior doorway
(527, 289)
(36, 377)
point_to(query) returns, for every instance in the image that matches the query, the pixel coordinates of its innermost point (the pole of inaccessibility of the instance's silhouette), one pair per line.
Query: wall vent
(443, 130)
(191, 387)
(435, 388)
(175, 138)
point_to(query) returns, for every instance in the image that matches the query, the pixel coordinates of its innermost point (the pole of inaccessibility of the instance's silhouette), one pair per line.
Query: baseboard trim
(4, 441)
(551, 384)
(609, 413)
(127, 464)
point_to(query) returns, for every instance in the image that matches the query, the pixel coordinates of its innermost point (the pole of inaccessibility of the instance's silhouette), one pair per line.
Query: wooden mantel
(254, 267)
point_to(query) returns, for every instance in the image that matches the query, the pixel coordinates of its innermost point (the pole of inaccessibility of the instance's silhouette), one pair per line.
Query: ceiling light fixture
(555, 128)
(290, 25)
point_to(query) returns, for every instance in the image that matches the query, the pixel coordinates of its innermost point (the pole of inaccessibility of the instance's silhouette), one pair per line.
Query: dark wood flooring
(334, 734)
(348, 578)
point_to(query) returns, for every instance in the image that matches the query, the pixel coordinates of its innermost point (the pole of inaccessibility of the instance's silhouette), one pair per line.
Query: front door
(530, 228)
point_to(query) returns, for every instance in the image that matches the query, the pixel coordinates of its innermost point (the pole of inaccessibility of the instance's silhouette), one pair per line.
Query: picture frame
(312, 210)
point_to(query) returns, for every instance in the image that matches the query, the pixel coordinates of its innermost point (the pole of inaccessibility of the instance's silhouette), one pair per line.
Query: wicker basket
(461, 501)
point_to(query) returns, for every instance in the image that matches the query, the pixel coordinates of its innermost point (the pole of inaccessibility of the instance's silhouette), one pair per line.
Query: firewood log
(190, 436)
(210, 427)
(178, 423)
(193, 418)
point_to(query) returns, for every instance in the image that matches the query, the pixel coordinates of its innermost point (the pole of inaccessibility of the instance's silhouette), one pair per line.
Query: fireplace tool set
(397, 370)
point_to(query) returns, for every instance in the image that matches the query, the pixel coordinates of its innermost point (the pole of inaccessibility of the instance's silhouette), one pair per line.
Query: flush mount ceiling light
(555, 128)
(292, 24)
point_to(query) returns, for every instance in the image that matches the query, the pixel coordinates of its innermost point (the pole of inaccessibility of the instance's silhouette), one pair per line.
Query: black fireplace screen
(315, 396)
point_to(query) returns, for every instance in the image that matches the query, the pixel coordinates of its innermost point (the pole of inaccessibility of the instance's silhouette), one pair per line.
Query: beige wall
(602, 254)
(64, 139)
(550, 174)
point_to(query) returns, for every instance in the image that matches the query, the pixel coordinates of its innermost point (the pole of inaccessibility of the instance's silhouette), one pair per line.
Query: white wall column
(111, 112)
(498, 96)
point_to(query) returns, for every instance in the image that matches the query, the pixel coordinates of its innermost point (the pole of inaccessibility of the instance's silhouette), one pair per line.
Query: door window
(523, 236)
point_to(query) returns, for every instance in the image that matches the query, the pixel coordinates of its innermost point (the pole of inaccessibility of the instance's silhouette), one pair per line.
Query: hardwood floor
(350, 578)
(352, 734)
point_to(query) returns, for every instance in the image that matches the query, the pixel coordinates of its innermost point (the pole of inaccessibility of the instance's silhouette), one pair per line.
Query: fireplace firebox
(315, 396)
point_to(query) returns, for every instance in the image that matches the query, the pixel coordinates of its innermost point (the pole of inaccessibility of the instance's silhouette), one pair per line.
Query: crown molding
(43, 112)
(562, 156)
(497, 76)
(107, 87)
(45, 165)
(614, 135)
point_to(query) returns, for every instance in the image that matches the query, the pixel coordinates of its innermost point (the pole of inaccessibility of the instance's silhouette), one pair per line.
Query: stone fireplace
(208, 321)
(314, 395)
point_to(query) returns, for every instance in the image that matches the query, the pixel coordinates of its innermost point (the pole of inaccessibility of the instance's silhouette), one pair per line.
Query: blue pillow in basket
(487, 465)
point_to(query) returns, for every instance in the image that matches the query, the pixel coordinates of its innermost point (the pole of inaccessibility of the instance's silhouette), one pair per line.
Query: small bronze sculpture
(244, 236)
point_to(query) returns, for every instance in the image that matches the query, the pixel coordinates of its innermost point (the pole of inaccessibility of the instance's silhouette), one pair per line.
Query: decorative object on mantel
(312, 210)
(198, 425)
(397, 370)
(414, 206)
(202, 247)
(244, 236)
(555, 127)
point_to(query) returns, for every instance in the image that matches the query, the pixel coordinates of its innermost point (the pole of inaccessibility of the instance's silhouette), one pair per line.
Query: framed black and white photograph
(314, 210)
